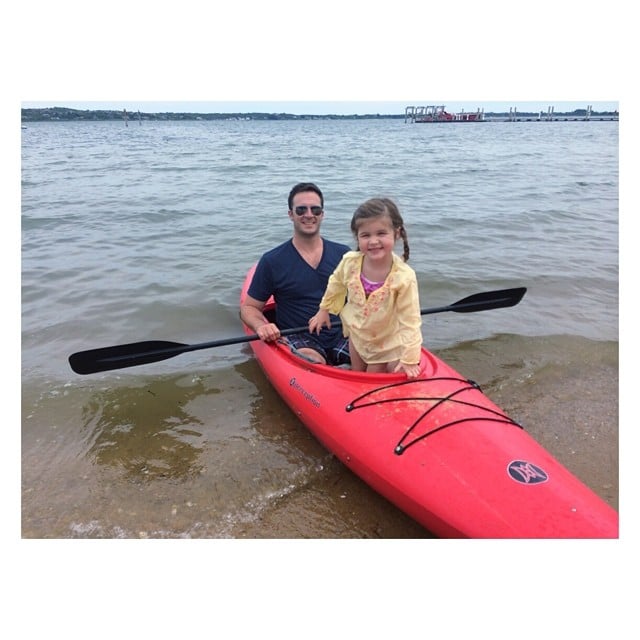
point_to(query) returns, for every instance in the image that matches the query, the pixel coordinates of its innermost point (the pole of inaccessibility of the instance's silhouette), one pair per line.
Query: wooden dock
(435, 114)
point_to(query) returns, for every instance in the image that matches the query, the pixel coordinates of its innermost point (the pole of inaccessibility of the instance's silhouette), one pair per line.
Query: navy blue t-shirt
(296, 287)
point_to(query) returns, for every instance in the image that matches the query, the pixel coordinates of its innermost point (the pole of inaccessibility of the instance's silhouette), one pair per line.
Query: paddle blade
(124, 355)
(489, 300)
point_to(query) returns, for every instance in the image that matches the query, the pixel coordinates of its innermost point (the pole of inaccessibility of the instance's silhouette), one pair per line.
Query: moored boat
(438, 113)
(438, 448)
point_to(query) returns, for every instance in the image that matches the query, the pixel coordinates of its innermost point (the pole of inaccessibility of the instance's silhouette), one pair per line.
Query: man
(296, 274)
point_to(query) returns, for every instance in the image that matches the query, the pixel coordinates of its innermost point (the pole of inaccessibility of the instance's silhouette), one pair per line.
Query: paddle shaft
(146, 352)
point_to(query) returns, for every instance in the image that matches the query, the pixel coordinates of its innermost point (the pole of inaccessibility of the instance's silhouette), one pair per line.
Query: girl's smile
(376, 238)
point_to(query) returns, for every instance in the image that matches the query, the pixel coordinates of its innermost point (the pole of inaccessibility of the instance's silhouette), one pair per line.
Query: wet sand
(219, 454)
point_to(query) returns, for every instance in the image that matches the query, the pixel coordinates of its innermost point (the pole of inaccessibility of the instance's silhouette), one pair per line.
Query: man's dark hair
(300, 188)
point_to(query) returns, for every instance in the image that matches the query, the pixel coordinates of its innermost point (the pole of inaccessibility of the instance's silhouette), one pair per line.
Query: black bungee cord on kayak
(400, 448)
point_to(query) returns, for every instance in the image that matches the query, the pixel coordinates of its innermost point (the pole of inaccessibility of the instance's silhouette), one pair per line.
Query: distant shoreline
(52, 114)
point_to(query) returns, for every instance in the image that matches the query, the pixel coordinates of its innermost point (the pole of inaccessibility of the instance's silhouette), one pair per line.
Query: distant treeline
(63, 113)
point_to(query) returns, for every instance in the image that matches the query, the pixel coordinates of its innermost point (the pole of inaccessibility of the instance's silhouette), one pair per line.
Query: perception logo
(526, 472)
(307, 396)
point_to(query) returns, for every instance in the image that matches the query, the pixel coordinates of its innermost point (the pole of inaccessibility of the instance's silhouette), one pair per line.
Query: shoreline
(65, 114)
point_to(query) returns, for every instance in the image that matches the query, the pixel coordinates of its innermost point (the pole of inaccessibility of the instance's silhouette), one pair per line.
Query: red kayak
(437, 448)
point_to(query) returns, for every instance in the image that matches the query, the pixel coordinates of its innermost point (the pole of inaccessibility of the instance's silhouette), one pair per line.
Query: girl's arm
(410, 321)
(335, 295)
(332, 301)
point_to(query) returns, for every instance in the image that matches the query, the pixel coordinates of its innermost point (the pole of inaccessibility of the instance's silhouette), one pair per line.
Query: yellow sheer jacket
(384, 327)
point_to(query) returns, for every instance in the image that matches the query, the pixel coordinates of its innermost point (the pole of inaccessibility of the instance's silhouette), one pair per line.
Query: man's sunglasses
(302, 209)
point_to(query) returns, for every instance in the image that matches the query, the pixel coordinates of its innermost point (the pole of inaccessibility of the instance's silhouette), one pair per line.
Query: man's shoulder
(276, 252)
(335, 249)
(338, 246)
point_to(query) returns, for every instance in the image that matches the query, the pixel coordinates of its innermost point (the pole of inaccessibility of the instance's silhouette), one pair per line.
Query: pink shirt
(369, 287)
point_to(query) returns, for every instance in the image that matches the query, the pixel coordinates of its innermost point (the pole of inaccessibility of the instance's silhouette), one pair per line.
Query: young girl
(381, 316)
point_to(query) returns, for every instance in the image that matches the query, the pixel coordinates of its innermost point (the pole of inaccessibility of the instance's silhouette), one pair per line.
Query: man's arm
(251, 314)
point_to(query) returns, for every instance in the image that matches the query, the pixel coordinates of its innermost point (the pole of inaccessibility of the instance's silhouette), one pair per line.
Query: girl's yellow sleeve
(410, 321)
(335, 295)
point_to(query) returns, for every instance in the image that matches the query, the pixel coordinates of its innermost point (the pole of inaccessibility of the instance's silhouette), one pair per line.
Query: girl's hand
(321, 319)
(412, 370)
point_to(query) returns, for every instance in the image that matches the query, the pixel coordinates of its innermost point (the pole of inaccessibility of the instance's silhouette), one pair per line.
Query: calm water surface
(146, 231)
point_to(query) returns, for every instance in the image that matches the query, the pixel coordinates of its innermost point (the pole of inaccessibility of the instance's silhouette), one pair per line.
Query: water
(145, 232)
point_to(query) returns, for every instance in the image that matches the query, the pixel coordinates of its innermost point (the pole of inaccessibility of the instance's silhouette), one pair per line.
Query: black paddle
(136, 353)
